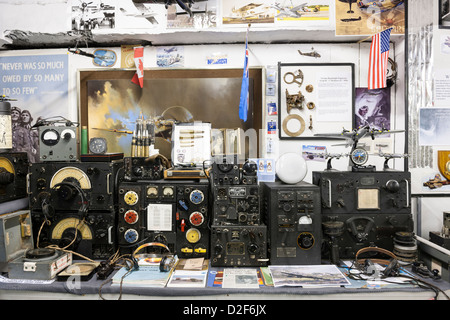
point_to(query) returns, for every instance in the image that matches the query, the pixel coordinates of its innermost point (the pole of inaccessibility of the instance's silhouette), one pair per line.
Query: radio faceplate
(293, 216)
(383, 192)
(236, 204)
(239, 246)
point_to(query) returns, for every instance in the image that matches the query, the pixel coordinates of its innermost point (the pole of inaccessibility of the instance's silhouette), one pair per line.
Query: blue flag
(243, 103)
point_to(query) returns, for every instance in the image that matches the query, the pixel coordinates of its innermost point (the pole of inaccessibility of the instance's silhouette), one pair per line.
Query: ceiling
(19, 39)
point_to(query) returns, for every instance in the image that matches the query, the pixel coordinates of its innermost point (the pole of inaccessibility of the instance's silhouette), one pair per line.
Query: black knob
(393, 186)
(218, 250)
(253, 248)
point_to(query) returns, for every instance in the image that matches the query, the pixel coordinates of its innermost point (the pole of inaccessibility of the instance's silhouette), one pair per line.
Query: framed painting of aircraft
(110, 103)
(315, 97)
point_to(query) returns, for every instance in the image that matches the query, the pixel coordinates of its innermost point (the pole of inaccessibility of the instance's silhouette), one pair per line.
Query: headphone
(166, 263)
(367, 265)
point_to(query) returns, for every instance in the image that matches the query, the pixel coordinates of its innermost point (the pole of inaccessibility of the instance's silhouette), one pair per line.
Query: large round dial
(359, 156)
(71, 173)
(71, 223)
(6, 164)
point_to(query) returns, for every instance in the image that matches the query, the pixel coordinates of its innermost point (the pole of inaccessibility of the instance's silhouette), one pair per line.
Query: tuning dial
(305, 240)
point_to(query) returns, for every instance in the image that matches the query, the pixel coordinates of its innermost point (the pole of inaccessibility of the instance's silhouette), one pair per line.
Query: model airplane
(313, 53)
(389, 156)
(355, 135)
(286, 11)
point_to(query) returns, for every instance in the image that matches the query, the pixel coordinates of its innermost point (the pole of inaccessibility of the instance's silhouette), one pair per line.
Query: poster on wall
(40, 85)
(441, 88)
(302, 13)
(204, 15)
(238, 12)
(87, 16)
(444, 14)
(434, 126)
(368, 17)
(315, 98)
(140, 15)
(373, 108)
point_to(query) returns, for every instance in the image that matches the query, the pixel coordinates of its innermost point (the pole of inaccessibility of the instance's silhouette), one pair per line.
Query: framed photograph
(315, 98)
(373, 108)
(110, 103)
(444, 14)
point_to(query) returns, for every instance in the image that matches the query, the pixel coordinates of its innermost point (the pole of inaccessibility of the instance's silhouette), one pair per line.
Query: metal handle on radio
(108, 176)
(110, 238)
(407, 193)
(28, 183)
(329, 192)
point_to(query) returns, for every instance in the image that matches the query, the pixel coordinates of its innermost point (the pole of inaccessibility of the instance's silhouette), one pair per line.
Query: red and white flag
(378, 60)
(138, 77)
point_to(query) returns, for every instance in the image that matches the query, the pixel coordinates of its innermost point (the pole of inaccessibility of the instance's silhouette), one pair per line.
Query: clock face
(359, 156)
(97, 145)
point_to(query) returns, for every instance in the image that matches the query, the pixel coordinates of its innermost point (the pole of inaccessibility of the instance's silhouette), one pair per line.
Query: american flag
(243, 102)
(378, 59)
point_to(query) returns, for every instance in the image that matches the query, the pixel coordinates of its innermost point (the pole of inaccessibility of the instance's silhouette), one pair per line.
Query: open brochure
(308, 276)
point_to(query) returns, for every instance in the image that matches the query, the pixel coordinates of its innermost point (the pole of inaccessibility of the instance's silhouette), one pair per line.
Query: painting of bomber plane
(367, 17)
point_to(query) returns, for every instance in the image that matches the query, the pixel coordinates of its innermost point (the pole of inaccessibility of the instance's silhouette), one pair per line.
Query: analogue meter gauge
(359, 156)
(71, 174)
(168, 192)
(50, 137)
(97, 145)
(152, 192)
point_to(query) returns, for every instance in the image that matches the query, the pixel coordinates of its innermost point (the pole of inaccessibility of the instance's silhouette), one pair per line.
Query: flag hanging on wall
(138, 77)
(378, 59)
(243, 102)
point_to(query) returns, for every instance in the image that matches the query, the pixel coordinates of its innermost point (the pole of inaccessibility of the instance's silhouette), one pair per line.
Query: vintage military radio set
(95, 207)
(13, 174)
(361, 209)
(75, 200)
(175, 213)
(58, 143)
(293, 216)
(238, 237)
